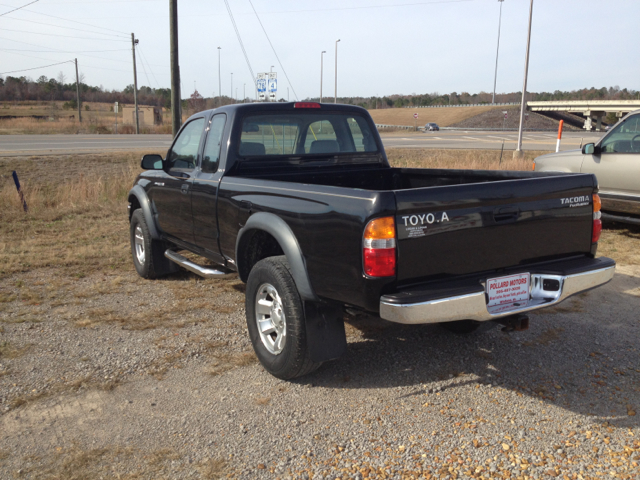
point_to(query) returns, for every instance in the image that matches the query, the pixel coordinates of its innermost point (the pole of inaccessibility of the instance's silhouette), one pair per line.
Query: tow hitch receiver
(514, 323)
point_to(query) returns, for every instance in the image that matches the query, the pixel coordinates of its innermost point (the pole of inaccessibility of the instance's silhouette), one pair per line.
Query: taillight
(306, 105)
(379, 248)
(597, 222)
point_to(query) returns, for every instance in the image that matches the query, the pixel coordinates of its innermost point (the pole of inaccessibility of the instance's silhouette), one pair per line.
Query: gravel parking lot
(83, 395)
(106, 375)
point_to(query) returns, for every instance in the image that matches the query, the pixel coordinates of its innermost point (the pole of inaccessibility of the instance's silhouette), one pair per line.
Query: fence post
(17, 182)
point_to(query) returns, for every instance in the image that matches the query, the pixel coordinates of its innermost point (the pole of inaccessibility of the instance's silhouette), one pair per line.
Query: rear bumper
(467, 300)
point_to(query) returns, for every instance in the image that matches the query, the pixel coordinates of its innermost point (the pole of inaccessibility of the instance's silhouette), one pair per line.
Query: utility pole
(78, 93)
(219, 81)
(176, 117)
(495, 78)
(321, 66)
(135, 81)
(518, 153)
(335, 98)
(244, 92)
(231, 94)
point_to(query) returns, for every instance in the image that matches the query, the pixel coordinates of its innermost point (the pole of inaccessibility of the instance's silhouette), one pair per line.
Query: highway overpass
(591, 109)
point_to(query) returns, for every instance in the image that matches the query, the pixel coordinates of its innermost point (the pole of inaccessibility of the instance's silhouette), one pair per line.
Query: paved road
(488, 140)
(20, 145)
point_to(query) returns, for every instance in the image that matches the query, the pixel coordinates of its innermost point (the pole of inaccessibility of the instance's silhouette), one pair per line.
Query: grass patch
(77, 463)
(74, 386)
(225, 362)
(459, 159)
(9, 352)
(546, 337)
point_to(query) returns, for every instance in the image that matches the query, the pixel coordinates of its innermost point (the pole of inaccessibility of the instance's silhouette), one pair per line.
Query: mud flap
(326, 338)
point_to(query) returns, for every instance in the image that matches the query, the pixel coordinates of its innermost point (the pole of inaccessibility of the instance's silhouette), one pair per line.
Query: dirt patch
(444, 117)
(495, 119)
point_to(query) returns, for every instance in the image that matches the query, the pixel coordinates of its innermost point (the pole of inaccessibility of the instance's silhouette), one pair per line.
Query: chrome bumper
(474, 307)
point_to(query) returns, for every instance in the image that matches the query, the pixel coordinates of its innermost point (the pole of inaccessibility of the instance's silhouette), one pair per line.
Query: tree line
(57, 89)
(465, 98)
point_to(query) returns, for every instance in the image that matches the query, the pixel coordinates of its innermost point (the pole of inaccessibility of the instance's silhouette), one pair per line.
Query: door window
(184, 153)
(624, 138)
(211, 157)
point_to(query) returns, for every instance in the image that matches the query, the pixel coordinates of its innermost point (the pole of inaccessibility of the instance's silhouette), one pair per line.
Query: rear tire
(461, 327)
(148, 254)
(275, 320)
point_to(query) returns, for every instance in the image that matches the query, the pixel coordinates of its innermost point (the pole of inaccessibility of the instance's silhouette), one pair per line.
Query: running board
(206, 272)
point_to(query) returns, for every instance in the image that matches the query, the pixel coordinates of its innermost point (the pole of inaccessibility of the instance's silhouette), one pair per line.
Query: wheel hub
(139, 244)
(270, 319)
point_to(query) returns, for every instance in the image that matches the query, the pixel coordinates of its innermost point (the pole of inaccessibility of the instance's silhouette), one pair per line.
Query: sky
(386, 47)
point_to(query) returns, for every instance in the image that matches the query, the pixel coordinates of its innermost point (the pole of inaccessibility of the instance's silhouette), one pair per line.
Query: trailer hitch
(514, 323)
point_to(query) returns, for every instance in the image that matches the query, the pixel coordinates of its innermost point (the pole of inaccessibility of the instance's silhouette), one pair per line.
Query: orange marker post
(559, 135)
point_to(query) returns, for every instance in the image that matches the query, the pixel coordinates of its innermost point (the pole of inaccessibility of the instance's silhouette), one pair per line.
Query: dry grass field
(444, 117)
(98, 119)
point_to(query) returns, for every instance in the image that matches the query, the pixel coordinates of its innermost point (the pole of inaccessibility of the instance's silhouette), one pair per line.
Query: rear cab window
(300, 134)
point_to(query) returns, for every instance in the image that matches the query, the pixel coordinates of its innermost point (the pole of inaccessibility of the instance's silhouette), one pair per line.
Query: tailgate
(477, 227)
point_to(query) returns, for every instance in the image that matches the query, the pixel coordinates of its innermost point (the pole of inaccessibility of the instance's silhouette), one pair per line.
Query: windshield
(289, 133)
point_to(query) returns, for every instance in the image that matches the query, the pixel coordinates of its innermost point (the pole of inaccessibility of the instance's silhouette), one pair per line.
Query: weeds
(9, 352)
(226, 362)
(458, 159)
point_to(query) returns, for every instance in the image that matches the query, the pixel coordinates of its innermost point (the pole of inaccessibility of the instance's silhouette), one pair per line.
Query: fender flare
(278, 229)
(138, 192)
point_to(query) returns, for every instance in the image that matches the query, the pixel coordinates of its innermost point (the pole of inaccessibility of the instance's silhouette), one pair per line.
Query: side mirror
(590, 149)
(152, 162)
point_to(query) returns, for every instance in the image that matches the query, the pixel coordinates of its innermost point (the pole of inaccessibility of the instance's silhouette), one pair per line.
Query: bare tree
(62, 78)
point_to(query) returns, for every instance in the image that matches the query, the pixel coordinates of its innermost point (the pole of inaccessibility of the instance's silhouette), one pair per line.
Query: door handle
(184, 188)
(505, 214)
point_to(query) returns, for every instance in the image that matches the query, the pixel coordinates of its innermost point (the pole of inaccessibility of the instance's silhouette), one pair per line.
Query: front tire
(275, 320)
(148, 254)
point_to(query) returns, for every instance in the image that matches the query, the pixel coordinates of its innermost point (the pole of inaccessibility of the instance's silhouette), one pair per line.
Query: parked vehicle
(431, 127)
(299, 199)
(615, 160)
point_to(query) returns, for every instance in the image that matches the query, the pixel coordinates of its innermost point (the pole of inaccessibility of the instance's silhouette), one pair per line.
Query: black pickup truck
(299, 199)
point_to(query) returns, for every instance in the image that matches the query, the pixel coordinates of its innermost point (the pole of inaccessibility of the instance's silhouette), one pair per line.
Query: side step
(206, 272)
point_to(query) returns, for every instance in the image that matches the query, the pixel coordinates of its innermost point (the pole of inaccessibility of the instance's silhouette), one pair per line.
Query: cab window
(184, 153)
(211, 156)
(624, 138)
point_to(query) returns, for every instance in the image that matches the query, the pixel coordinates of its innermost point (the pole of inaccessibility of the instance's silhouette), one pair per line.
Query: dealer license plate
(508, 293)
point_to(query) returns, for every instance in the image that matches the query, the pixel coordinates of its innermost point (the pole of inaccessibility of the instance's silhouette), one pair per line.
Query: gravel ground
(156, 379)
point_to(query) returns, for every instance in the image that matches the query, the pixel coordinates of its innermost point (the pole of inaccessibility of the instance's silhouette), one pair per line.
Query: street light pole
(495, 78)
(518, 153)
(335, 98)
(219, 81)
(321, 66)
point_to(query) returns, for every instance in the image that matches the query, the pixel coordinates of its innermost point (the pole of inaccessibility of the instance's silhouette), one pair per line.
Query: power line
(61, 51)
(36, 68)
(144, 59)
(253, 77)
(274, 50)
(65, 36)
(67, 20)
(58, 51)
(60, 26)
(144, 70)
(364, 7)
(7, 13)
